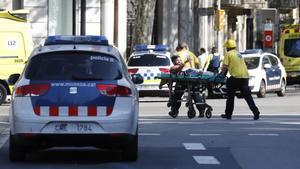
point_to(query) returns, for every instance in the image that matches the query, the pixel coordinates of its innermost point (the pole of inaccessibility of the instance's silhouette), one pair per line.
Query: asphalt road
(182, 143)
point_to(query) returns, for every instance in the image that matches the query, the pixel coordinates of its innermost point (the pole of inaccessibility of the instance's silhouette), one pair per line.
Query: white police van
(150, 61)
(74, 91)
(267, 74)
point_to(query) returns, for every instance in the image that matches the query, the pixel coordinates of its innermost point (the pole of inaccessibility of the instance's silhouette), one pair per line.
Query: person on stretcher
(177, 69)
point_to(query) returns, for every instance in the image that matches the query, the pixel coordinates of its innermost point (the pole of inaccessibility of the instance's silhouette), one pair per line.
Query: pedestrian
(174, 98)
(239, 79)
(213, 61)
(186, 55)
(202, 57)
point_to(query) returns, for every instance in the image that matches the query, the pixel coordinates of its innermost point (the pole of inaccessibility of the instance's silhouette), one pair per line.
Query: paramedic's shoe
(226, 116)
(256, 116)
(173, 113)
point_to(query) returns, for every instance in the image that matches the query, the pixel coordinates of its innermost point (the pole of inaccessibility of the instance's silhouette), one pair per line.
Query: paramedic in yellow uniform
(234, 63)
(186, 55)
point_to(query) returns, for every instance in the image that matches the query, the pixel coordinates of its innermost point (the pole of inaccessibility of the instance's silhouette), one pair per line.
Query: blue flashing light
(68, 39)
(151, 47)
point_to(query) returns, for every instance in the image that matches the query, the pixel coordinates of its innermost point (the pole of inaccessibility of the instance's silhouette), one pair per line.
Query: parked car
(74, 91)
(267, 75)
(150, 61)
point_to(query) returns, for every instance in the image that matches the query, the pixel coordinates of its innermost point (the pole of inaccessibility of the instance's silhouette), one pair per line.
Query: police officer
(235, 64)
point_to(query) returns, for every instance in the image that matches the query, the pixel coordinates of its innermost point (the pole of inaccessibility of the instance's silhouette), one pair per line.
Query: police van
(15, 47)
(150, 61)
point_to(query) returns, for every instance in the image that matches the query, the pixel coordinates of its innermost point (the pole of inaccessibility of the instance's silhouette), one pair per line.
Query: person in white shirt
(202, 57)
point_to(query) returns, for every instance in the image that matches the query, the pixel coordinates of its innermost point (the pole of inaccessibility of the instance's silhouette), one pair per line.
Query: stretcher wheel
(191, 113)
(208, 113)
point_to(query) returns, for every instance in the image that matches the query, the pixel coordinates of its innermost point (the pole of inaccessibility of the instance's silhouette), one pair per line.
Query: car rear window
(73, 66)
(149, 60)
(252, 62)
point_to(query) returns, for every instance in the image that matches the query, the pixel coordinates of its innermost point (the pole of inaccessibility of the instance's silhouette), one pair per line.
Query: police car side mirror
(13, 79)
(137, 78)
(267, 66)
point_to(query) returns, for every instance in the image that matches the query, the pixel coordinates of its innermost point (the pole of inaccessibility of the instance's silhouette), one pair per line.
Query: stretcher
(195, 83)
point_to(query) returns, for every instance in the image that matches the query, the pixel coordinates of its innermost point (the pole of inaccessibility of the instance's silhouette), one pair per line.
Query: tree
(142, 32)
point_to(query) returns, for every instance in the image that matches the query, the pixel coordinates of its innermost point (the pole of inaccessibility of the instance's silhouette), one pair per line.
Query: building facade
(75, 17)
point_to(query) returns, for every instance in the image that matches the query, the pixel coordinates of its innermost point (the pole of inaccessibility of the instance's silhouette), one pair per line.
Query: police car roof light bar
(151, 47)
(251, 51)
(69, 39)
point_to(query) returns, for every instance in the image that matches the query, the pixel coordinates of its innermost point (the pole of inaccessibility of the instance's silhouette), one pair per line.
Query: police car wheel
(281, 93)
(130, 152)
(262, 90)
(3, 94)
(16, 152)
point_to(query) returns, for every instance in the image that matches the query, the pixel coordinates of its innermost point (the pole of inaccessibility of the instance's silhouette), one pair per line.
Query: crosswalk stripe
(194, 146)
(206, 160)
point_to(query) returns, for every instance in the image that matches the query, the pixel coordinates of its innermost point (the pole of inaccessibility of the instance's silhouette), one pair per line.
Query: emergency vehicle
(74, 91)
(289, 52)
(150, 61)
(15, 47)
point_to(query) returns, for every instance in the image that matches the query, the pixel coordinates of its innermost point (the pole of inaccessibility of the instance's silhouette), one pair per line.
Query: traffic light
(219, 19)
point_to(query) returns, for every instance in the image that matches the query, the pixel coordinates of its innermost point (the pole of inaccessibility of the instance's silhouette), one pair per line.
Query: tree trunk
(144, 22)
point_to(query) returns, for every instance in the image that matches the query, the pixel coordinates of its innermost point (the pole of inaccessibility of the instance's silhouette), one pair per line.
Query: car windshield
(292, 47)
(73, 66)
(149, 60)
(252, 62)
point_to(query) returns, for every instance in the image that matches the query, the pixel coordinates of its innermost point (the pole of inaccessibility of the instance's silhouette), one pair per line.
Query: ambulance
(15, 47)
(289, 52)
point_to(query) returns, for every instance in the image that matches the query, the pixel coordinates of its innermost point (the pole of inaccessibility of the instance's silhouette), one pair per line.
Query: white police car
(150, 61)
(266, 72)
(74, 91)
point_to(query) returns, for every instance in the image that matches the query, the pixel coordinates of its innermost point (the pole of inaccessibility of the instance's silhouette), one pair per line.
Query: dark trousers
(234, 84)
(179, 91)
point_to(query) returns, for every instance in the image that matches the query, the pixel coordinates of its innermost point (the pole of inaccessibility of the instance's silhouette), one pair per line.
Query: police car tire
(281, 93)
(3, 94)
(130, 151)
(16, 152)
(262, 90)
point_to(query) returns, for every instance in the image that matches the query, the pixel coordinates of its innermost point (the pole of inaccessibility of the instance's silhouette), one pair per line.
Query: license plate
(71, 127)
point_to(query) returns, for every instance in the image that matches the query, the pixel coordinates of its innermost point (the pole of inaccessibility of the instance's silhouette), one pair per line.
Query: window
(149, 60)
(273, 60)
(292, 47)
(252, 62)
(73, 66)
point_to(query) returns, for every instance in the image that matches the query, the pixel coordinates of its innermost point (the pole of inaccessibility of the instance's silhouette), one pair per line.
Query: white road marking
(205, 134)
(289, 122)
(194, 146)
(149, 134)
(263, 134)
(2, 122)
(206, 160)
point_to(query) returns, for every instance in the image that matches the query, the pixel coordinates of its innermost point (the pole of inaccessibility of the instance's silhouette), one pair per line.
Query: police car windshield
(292, 48)
(73, 66)
(252, 62)
(149, 60)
